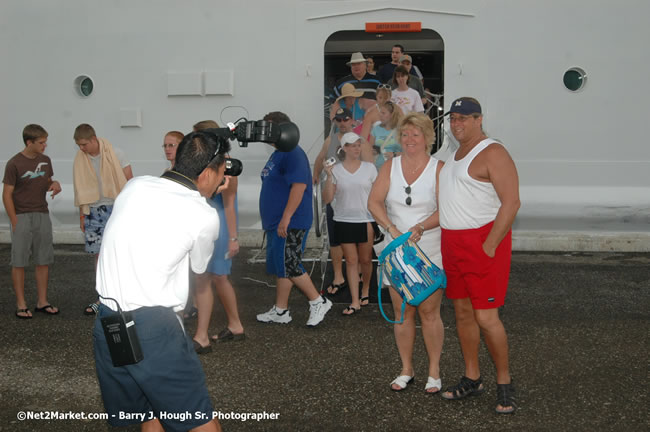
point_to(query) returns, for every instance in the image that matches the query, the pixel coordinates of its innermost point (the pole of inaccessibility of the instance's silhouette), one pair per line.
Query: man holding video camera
(145, 273)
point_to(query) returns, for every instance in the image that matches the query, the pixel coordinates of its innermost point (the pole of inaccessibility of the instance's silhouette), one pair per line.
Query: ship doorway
(426, 49)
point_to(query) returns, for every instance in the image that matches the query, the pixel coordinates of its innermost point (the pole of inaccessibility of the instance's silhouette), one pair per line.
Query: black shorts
(331, 230)
(351, 232)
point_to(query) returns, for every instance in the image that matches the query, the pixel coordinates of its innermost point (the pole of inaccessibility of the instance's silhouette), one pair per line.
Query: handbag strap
(385, 143)
(381, 305)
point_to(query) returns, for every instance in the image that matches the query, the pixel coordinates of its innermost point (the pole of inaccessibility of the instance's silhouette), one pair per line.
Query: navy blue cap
(465, 107)
(342, 114)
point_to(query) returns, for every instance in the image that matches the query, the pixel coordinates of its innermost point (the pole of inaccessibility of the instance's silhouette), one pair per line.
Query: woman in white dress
(403, 198)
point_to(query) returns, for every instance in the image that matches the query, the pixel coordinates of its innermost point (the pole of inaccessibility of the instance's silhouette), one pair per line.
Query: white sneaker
(273, 316)
(317, 312)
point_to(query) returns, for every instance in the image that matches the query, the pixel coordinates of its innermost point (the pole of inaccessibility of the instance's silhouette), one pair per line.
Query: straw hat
(356, 57)
(348, 90)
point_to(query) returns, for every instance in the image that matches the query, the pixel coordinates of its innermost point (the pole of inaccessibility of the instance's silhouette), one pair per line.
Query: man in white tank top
(478, 202)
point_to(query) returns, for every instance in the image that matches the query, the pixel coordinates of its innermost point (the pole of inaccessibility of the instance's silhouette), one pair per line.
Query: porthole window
(575, 79)
(84, 85)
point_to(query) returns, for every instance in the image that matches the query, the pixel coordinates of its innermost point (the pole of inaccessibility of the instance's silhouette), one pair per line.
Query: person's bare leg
(204, 302)
(18, 280)
(152, 426)
(89, 309)
(365, 263)
(496, 340)
(282, 291)
(228, 299)
(336, 253)
(433, 332)
(469, 336)
(42, 273)
(404, 334)
(352, 270)
(306, 285)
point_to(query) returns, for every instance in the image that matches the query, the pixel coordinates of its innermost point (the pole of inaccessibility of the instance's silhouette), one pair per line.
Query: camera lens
(234, 167)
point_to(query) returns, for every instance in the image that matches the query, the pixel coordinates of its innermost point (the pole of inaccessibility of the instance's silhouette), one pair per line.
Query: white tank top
(466, 203)
(423, 205)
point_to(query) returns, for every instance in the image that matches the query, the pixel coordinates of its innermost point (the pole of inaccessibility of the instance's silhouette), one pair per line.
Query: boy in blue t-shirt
(285, 208)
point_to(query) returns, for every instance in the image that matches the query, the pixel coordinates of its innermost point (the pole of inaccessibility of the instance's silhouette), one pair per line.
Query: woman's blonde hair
(385, 90)
(420, 121)
(395, 111)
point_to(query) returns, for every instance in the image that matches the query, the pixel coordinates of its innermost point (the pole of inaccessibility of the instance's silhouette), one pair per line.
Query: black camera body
(283, 136)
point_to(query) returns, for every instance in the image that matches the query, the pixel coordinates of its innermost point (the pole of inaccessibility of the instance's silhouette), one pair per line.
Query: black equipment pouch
(122, 338)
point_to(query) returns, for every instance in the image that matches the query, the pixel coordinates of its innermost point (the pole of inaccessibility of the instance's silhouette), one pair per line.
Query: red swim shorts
(470, 272)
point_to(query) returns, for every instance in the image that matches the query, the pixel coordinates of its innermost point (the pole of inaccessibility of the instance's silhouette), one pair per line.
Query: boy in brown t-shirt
(27, 179)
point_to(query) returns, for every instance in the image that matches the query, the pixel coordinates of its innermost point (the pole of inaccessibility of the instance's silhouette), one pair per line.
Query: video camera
(283, 136)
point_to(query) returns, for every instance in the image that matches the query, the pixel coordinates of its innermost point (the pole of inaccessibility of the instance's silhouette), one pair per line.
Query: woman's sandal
(226, 335)
(466, 387)
(506, 399)
(334, 289)
(431, 384)
(402, 382)
(349, 311)
(22, 314)
(366, 300)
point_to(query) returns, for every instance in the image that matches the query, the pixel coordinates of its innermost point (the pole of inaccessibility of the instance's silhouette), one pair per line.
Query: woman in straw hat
(349, 99)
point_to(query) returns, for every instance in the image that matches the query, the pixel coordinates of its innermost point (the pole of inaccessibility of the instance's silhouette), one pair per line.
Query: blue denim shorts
(167, 384)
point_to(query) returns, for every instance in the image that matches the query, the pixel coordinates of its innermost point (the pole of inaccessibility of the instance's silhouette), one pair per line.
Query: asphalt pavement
(578, 327)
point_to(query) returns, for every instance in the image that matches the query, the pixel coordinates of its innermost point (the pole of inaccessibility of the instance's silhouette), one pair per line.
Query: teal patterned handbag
(410, 272)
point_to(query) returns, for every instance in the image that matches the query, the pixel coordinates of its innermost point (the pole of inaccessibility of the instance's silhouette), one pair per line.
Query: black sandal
(334, 289)
(91, 309)
(191, 313)
(349, 311)
(506, 398)
(466, 387)
(364, 299)
(24, 312)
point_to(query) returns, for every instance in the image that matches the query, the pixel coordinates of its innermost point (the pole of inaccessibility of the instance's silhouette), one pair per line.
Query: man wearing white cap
(359, 77)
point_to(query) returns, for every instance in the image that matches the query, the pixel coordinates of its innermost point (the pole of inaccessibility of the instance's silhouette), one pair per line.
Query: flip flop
(334, 289)
(23, 311)
(45, 308)
(226, 335)
(365, 299)
(349, 311)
